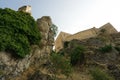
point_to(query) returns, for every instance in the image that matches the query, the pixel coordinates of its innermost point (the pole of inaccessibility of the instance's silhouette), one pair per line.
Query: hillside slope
(102, 52)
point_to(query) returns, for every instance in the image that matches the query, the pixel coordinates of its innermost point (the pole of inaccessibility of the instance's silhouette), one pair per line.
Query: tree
(54, 29)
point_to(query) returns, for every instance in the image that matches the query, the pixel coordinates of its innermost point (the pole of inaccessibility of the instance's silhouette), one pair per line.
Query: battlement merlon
(26, 9)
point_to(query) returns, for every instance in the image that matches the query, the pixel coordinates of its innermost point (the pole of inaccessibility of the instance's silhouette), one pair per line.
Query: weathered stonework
(26, 9)
(62, 37)
(83, 34)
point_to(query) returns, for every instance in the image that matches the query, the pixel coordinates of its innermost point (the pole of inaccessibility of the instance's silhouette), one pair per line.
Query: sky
(72, 16)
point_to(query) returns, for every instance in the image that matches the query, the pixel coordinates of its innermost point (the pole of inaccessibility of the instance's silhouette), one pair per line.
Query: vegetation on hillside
(18, 31)
(106, 48)
(94, 53)
(98, 74)
(77, 56)
(60, 64)
(54, 29)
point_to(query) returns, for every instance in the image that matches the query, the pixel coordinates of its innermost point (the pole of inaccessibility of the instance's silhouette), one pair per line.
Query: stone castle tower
(26, 9)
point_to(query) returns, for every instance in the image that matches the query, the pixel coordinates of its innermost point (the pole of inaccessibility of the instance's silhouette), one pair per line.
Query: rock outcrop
(11, 67)
(44, 25)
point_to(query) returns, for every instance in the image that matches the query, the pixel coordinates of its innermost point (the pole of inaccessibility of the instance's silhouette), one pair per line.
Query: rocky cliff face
(44, 25)
(12, 68)
(97, 54)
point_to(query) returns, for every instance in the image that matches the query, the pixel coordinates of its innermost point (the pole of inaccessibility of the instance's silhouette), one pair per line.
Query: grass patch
(98, 74)
(106, 48)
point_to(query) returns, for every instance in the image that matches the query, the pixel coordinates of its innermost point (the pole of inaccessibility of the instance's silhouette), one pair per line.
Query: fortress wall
(58, 44)
(93, 32)
(109, 28)
(60, 40)
(83, 34)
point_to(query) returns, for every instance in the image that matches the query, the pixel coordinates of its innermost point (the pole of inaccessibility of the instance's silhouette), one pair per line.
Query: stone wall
(84, 35)
(60, 39)
(109, 28)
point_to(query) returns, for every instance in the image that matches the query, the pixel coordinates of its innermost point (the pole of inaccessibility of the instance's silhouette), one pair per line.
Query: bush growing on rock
(60, 64)
(77, 55)
(106, 48)
(117, 48)
(18, 31)
(98, 74)
(66, 43)
(54, 29)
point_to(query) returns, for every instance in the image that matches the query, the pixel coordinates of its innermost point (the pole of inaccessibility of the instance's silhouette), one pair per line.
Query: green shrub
(117, 48)
(106, 48)
(66, 44)
(61, 52)
(1, 72)
(18, 31)
(103, 30)
(98, 74)
(77, 55)
(61, 64)
(54, 29)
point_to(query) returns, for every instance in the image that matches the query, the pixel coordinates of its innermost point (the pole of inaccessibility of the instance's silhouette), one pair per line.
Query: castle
(63, 36)
(93, 32)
